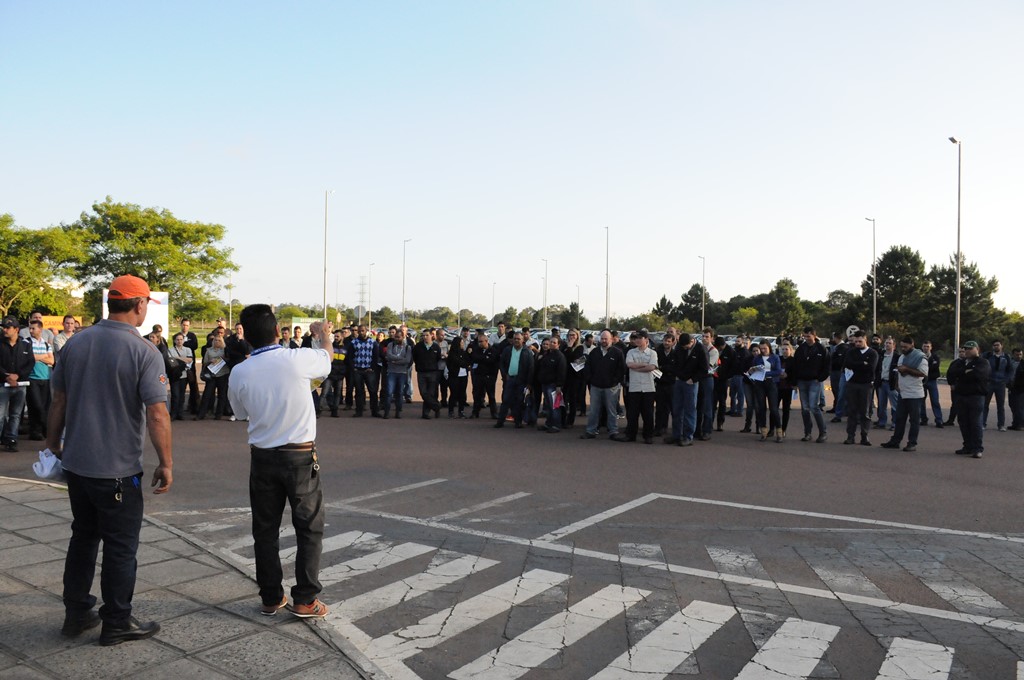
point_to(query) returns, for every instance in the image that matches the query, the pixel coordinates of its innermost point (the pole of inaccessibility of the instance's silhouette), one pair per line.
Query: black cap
(10, 322)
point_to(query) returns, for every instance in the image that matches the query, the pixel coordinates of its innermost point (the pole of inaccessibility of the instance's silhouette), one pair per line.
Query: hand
(162, 476)
(314, 328)
(12, 379)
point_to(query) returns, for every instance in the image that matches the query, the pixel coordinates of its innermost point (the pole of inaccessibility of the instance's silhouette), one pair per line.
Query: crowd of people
(682, 390)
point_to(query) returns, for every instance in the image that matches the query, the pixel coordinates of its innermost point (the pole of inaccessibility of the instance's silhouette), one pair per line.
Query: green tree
(34, 267)
(746, 320)
(782, 311)
(663, 307)
(182, 258)
(690, 306)
(903, 286)
(979, 318)
(385, 316)
(573, 317)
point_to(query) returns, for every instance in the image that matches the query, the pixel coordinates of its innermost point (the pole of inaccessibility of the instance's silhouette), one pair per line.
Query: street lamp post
(607, 280)
(230, 287)
(403, 278)
(458, 302)
(494, 285)
(369, 297)
(703, 289)
(544, 315)
(874, 279)
(959, 166)
(327, 193)
(577, 306)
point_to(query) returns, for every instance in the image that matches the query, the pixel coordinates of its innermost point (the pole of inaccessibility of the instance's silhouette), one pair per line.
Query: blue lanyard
(265, 348)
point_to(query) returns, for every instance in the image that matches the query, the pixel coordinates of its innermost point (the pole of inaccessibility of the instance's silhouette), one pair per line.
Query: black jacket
(726, 363)
(425, 357)
(667, 378)
(485, 361)
(572, 377)
(862, 364)
(934, 370)
(526, 358)
(551, 368)
(17, 359)
(236, 349)
(606, 370)
(812, 362)
(688, 364)
(974, 377)
(837, 354)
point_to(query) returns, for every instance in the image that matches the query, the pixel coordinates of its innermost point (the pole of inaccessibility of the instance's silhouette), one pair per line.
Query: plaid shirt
(363, 353)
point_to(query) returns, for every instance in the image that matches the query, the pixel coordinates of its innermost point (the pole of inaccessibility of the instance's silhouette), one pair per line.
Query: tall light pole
(607, 280)
(874, 279)
(959, 166)
(327, 193)
(403, 278)
(544, 315)
(369, 296)
(494, 285)
(230, 287)
(703, 289)
(577, 306)
(458, 302)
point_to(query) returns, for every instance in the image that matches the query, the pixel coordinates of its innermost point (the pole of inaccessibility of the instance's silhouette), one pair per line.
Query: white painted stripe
(446, 568)
(332, 543)
(482, 506)
(913, 660)
(841, 518)
(180, 513)
(838, 573)
(737, 561)
(823, 593)
(388, 492)
(372, 562)
(247, 540)
(666, 647)
(548, 638)
(948, 584)
(793, 652)
(597, 519)
(389, 650)
(210, 527)
(1020, 670)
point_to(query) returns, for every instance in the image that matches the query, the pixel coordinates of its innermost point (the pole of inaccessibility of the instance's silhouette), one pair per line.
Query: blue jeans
(12, 403)
(931, 390)
(99, 516)
(554, 418)
(839, 394)
(736, 395)
(684, 410)
(707, 405)
(606, 399)
(811, 395)
(512, 399)
(997, 390)
(395, 390)
(886, 403)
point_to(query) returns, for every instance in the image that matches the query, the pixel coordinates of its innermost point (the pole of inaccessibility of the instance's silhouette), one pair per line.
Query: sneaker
(805, 438)
(231, 419)
(909, 448)
(552, 430)
(271, 609)
(686, 442)
(976, 454)
(822, 438)
(1002, 429)
(962, 452)
(314, 610)
(11, 446)
(849, 440)
(891, 445)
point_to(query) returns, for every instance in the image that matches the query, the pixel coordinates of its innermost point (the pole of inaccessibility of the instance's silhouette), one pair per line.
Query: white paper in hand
(48, 467)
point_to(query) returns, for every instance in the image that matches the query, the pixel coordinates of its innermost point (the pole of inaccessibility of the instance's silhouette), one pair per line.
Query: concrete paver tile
(49, 533)
(23, 672)
(176, 571)
(92, 662)
(28, 520)
(41, 574)
(159, 605)
(218, 588)
(261, 655)
(203, 628)
(181, 669)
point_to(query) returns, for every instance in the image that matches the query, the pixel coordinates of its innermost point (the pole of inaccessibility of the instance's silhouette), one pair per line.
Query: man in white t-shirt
(912, 367)
(271, 390)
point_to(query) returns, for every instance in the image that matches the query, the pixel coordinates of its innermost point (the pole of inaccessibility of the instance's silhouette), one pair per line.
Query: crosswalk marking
(949, 585)
(792, 652)
(482, 506)
(669, 645)
(388, 492)
(372, 562)
(912, 660)
(548, 638)
(838, 573)
(739, 562)
(446, 568)
(389, 650)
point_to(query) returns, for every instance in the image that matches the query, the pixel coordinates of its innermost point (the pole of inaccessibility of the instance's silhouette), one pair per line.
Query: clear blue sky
(494, 134)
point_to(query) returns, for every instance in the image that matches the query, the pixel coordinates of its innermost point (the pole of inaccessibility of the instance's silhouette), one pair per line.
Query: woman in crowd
(764, 372)
(215, 380)
(457, 363)
(786, 386)
(179, 377)
(575, 357)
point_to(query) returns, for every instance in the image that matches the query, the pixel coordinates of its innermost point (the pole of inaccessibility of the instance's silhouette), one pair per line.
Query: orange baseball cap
(127, 287)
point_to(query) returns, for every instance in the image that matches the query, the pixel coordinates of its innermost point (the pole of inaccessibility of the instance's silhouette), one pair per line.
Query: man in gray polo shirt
(108, 389)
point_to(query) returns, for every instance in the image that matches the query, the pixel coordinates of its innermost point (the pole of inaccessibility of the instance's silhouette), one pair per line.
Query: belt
(287, 454)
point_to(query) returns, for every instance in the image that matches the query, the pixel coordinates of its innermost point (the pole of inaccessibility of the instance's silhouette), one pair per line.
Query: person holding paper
(551, 372)
(642, 362)
(859, 363)
(16, 362)
(457, 363)
(215, 379)
(764, 372)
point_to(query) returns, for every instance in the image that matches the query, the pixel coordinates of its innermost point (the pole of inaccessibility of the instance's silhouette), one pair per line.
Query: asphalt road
(458, 550)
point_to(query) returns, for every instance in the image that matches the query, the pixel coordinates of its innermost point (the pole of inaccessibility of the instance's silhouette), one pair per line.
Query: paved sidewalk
(207, 608)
